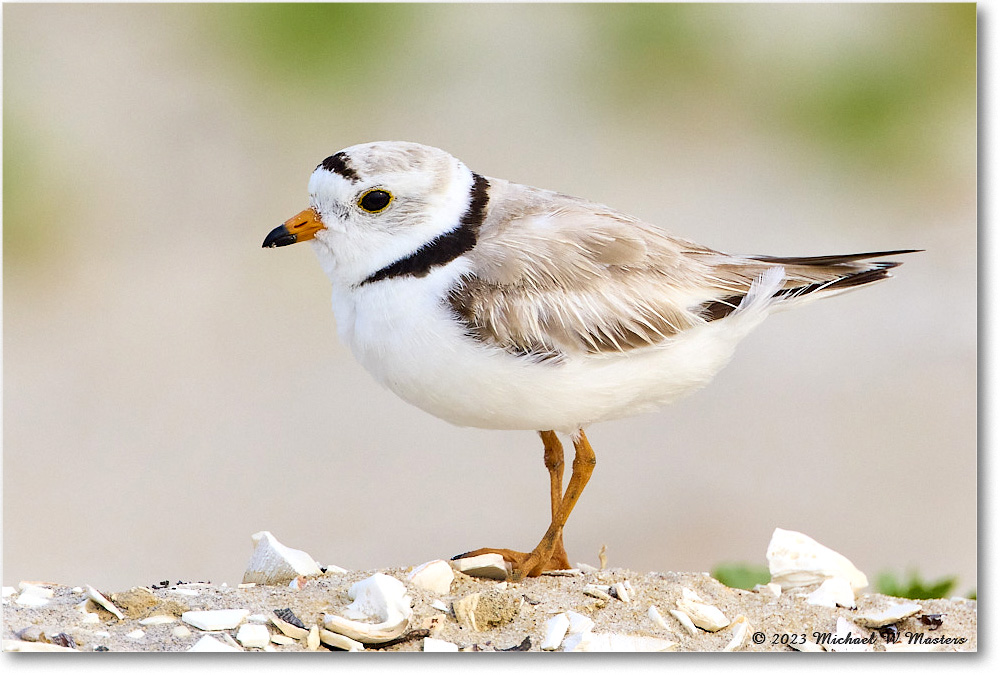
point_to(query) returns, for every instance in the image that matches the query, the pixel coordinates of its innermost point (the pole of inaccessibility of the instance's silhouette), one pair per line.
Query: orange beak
(301, 227)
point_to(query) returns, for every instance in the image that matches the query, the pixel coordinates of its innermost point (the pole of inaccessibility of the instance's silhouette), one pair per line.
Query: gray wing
(555, 274)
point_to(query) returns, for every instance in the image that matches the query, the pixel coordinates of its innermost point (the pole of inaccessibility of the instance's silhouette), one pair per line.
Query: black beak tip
(279, 236)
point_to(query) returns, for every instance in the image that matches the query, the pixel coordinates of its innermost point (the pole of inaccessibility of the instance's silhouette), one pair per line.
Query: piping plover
(497, 305)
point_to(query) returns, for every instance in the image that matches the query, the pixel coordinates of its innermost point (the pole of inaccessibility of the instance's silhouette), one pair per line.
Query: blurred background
(171, 388)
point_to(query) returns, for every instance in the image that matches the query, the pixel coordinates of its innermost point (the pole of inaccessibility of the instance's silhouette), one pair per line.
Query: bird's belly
(409, 342)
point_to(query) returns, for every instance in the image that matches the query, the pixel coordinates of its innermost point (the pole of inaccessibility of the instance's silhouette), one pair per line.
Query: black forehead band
(340, 165)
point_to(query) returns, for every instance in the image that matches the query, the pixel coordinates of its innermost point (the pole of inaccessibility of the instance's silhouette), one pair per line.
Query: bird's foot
(527, 564)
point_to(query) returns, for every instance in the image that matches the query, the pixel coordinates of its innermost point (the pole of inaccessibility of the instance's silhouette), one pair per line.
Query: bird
(496, 305)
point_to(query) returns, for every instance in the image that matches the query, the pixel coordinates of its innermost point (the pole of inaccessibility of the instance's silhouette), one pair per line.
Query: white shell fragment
(312, 638)
(702, 614)
(486, 566)
(94, 595)
(290, 629)
(157, 620)
(282, 639)
(796, 560)
(137, 634)
(849, 638)
(31, 598)
(338, 641)
(741, 628)
(578, 623)
(253, 635)
(621, 590)
(435, 645)
(209, 644)
(440, 606)
(597, 591)
(571, 572)
(181, 632)
(367, 633)
(274, 563)
(833, 592)
(657, 618)
(555, 631)
(434, 576)
(892, 614)
(215, 619)
(378, 597)
(770, 589)
(685, 621)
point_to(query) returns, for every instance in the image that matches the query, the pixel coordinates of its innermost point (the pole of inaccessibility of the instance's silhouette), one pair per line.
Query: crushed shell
(741, 628)
(338, 641)
(892, 614)
(94, 595)
(702, 614)
(273, 563)
(796, 560)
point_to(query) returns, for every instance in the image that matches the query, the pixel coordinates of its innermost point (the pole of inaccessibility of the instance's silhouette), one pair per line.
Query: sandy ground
(773, 621)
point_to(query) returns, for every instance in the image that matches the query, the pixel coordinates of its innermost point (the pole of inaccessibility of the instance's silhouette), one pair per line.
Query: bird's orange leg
(550, 554)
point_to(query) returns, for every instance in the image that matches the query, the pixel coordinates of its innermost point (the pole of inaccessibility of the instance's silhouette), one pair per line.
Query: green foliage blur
(914, 587)
(741, 575)
(867, 87)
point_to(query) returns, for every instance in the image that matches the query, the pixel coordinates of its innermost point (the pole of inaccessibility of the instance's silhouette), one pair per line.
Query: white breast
(402, 331)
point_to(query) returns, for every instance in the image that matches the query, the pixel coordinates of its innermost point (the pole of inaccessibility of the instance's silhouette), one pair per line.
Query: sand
(774, 622)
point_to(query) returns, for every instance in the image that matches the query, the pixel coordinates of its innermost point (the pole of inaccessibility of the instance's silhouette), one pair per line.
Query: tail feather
(817, 275)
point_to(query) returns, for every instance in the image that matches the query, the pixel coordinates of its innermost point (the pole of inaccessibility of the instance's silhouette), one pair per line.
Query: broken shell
(702, 614)
(892, 614)
(137, 634)
(274, 563)
(207, 643)
(685, 621)
(289, 624)
(312, 639)
(181, 632)
(253, 635)
(435, 576)
(379, 597)
(368, 633)
(435, 645)
(157, 620)
(555, 631)
(571, 572)
(338, 641)
(440, 606)
(599, 592)
(741, 627)
(585, 568)
(578, 623)
(797, 560)
(282, 639)
(657, 618)
(849, 638)
(215, 619)
(771, 589)
(486, 566)
(620, 591)
(832, 592)
(94, 595)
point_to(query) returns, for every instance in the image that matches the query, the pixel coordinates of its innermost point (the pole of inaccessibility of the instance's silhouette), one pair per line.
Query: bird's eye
(375, 200)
